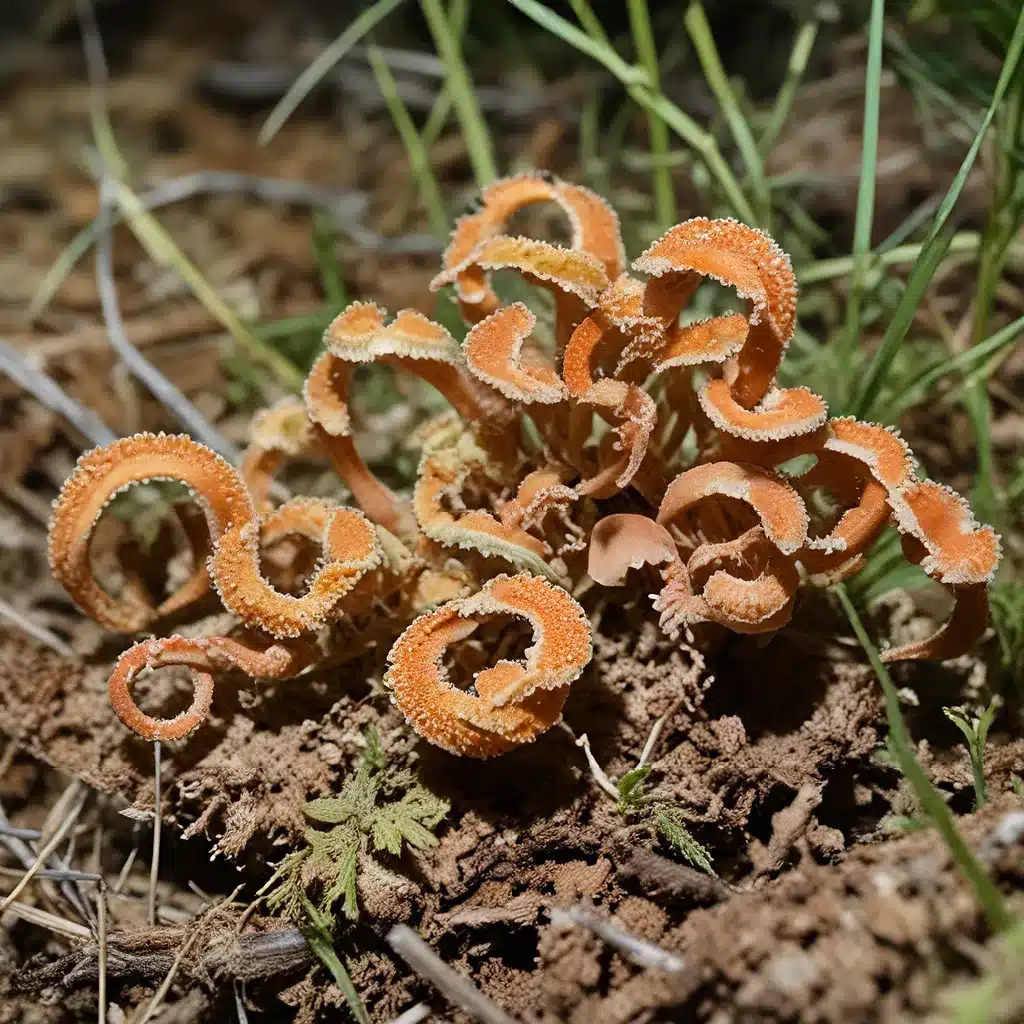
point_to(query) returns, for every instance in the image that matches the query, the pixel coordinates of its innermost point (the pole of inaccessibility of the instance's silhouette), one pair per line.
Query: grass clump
(380, 809)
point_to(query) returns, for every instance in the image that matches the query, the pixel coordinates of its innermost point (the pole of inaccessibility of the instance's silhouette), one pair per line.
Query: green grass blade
(332, 279)
(936, 244)
(318, 938)
(707, 53)
(647, 54)
(471, 119)
(311, 77)
(798, 58)
(596, 47)
(419, 159)
(934, 806)
(155, 239)
(993, 348)
(635, 79)
(964, 243)
(458, 16)
(589, 20)
(865, 214)
(58, 273)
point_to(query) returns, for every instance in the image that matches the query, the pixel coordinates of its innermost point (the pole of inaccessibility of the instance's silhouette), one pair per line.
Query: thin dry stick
(35, 630)
(167, 393)
(101, 906)
(640, 951)
(596, 770)
(19, 849)
(243, 1017)
(414, 1015)
(154, 864)
(51, 922)
(46, 390)
(81, 795)
(346, 208)
(54, 874)
(113, 174)
(165, 986)
(659, 725)
(31, 834)
(126, 868)
(457, 988)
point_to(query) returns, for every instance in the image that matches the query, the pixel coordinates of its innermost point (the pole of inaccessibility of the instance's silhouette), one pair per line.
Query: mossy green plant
(380, 809)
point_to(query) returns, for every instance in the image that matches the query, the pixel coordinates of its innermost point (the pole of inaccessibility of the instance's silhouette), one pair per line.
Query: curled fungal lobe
(510, 703)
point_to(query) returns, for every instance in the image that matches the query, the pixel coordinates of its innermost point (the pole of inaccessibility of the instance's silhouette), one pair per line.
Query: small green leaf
(631, 787)
(327, 809)
(675, 832)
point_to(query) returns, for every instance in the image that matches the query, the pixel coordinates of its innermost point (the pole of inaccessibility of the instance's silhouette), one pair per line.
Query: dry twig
(457, 988)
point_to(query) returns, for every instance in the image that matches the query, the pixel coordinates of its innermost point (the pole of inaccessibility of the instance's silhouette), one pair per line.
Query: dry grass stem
(35, 630)
(81, 794)
(101, 905)
(46, 390)
(457, 988)
(414, 1015)
(51, 922)
(639, 951)
(165, 986)
(154, 864)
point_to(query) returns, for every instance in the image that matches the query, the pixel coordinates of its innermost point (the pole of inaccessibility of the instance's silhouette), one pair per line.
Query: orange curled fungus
(510, 703)
(681, 422)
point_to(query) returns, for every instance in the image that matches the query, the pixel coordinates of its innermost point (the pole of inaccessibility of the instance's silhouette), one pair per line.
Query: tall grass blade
(936, 244)
(637, 86)
(312, 76)
(647, 53)
(419, 159)
(707, 53)
(458, 15)
(865, 214)
(934, 806)
(798, 58)
(155, 239)
(471, 118)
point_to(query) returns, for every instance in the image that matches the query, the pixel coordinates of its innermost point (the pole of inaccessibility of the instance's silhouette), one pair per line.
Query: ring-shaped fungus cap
(203, 655)
(351, 548)
(513, 702)
(99, 476)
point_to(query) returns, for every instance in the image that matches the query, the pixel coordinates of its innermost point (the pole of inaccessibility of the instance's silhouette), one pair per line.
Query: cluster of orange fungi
(681, 425)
